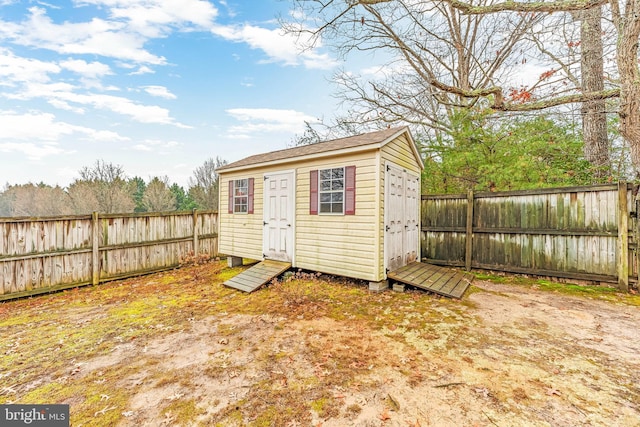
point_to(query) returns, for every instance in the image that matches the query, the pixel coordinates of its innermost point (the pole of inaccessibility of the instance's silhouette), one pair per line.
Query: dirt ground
(178, 348)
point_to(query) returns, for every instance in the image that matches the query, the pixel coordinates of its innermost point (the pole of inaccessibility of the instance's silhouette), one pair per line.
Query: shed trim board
(379, 238)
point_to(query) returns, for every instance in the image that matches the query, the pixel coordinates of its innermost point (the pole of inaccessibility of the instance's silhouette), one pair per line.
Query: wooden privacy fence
(39, 255)
(587, 233)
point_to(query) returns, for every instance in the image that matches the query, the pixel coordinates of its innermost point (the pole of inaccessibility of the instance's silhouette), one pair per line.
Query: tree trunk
(594, 117)
(629, 32)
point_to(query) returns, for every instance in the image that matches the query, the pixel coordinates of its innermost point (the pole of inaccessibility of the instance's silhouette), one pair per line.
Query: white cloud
(259, 120)
(62, 105)
(36, 135)
(90, 70)
(30, 150)
(232, 13)
(62, 95)
(142, 70)
(153, 18)
(159, 91)
(97, 37)
(44, 128)
(155, 145)
(141, 147)
(277, 45)
(16, 69)
(383, 70)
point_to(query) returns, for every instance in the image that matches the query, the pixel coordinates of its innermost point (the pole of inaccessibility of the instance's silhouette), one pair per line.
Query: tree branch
(514, 6)
(568, 99)
(368, 2)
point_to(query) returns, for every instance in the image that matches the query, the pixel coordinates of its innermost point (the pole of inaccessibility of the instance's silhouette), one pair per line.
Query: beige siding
(339, 244)
(399, 152)
(241, 234)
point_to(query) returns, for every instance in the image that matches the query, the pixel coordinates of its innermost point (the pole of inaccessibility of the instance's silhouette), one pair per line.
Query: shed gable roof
(375, 139)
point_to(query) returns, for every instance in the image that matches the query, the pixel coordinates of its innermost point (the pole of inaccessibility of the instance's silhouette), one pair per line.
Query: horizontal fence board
(40, 255)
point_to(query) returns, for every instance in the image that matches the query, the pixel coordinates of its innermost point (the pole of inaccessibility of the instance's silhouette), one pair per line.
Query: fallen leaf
(385, 415)
(551, 391)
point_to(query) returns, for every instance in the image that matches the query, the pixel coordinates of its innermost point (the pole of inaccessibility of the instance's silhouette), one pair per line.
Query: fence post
(195, 233)
(623, 238)
(95, 253)
(469, 230)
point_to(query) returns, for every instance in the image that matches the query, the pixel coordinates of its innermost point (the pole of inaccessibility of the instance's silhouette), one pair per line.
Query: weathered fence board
(579, 232)
(42, 254)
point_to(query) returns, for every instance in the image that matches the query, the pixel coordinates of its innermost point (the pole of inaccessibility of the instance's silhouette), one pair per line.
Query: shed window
(241, 196)
(333, 191)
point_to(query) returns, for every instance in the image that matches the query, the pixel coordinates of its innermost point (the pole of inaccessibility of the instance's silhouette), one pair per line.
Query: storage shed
(348, 207)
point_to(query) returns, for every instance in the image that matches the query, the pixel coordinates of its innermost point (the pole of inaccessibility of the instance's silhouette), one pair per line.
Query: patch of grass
(326, 407)
(93, 398)
(491, 277)
(353, 410)
(183, 412)
(608, 293)
(271, 404)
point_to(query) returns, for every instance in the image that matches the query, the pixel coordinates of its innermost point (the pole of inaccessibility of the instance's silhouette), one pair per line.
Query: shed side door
(278, 216)
(394, 207)
(402, 217)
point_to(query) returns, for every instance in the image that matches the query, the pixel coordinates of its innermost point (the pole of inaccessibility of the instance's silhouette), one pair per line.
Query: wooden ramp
(439, 280)
(256, 276)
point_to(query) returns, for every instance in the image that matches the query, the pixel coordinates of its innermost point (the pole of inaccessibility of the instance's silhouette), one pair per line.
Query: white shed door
(402, 222)
(279, 203)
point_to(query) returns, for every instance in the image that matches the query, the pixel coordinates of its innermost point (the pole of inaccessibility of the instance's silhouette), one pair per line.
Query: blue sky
(157, 86)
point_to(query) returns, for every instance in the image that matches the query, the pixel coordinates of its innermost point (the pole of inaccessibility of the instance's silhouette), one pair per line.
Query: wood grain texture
(38, 255)
(579, 232)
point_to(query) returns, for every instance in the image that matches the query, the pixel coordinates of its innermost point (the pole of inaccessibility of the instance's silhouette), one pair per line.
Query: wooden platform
(258, 275)
(440, 280)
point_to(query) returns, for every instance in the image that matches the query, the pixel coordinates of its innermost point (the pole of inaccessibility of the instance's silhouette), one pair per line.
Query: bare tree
(6, 201)
(157, 195)
(203, 186)
(103, 188)
(36, 200)
(625, 16)
(437, 57)
(83, 197)
(452, 54)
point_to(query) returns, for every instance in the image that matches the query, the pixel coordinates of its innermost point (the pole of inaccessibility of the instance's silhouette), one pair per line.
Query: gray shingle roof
(376, 137)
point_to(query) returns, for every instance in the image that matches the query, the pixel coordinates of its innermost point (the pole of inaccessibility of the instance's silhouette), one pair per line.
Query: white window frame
(238, 197)
(331, 191)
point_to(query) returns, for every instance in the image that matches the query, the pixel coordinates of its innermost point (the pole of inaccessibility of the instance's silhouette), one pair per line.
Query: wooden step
(258, 275)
